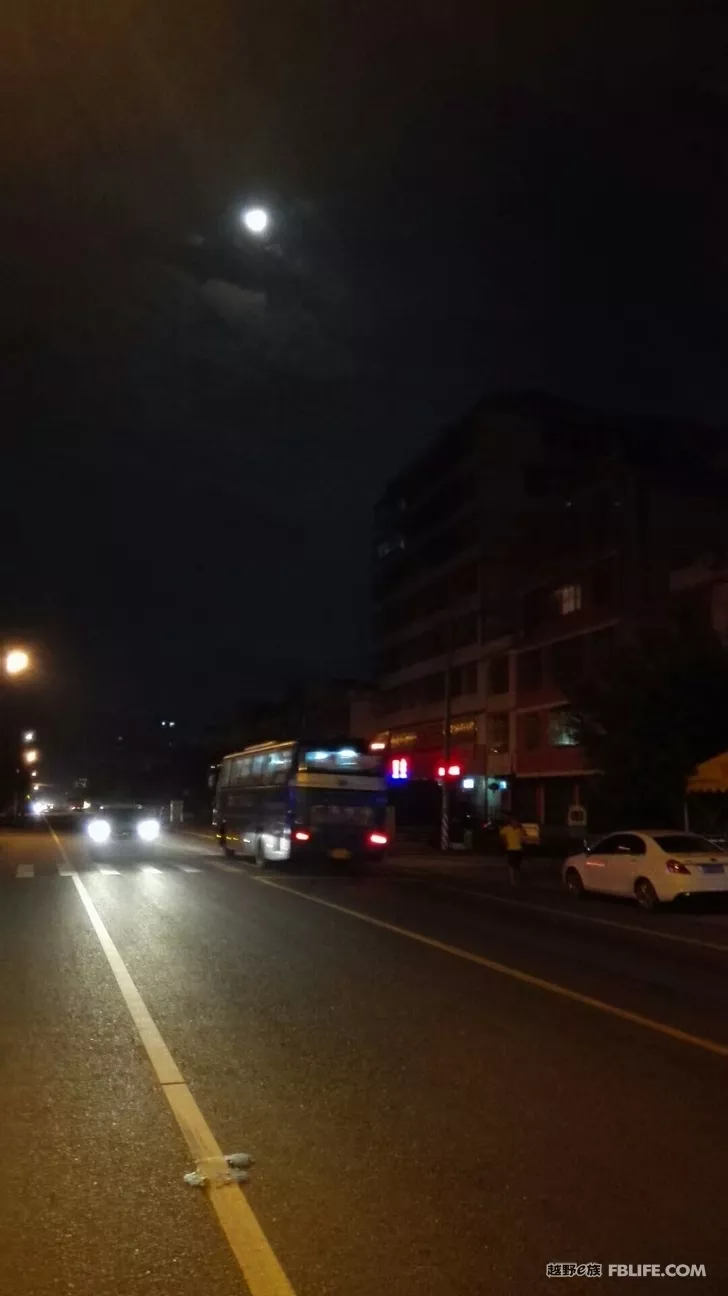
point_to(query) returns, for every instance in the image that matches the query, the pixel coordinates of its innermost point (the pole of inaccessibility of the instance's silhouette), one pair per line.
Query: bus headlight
(99, 830)
(148, 829)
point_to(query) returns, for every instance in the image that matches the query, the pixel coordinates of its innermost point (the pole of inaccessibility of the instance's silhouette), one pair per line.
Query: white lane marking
(187, 868)
(64, 870)
(25, 871)
(109, 871)
(580, 917)
(258, 1263)
(150, 868)
(516, 974)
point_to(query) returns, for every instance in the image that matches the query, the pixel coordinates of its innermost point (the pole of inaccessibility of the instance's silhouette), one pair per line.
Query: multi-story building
(507, 558)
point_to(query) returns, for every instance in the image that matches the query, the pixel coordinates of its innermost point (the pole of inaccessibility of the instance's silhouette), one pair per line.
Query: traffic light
(448, 771)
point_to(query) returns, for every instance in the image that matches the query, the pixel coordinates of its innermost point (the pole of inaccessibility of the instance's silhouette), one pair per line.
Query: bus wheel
(226, 850)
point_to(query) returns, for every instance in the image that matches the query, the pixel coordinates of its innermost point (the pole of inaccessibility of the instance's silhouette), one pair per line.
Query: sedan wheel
(574, 884)
(646, 895)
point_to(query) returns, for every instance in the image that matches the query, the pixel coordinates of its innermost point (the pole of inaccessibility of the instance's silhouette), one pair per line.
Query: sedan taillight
(676, 866)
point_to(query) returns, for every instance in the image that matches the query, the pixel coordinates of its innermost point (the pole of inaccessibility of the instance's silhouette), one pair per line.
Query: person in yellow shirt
(512, 835)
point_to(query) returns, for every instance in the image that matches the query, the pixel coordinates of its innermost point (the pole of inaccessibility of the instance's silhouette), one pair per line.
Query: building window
(532, 731)
(568, 599)
(470, 677)
(409, 694)
(435, 687)
(498, 674)
(464, 630)
(601, 645)
(497, 731)
(566, 660)
(535, 609)
(530, 671)
(603, 584)
(386, 547)
(563, 728)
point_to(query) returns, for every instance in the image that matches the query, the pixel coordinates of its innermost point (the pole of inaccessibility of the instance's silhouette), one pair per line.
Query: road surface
(445, 1086)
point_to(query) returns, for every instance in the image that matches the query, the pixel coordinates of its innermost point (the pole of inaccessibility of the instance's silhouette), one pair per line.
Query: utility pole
(445, 785)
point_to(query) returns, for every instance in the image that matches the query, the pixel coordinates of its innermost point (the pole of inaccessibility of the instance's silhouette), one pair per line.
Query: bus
(291, 801)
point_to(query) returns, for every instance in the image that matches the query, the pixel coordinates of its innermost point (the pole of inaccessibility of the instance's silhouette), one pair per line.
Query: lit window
(563, 729)
(568, 599)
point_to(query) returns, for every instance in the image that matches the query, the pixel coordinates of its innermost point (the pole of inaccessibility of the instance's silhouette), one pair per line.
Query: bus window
(279, 763)
(223, 774)
(240, 769)
(260, 761)
(339, 760)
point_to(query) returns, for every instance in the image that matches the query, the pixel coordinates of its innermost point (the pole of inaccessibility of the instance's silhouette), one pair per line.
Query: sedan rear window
(687, 844)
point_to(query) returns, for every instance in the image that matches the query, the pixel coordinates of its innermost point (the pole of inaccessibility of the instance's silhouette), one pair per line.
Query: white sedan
(652, 867)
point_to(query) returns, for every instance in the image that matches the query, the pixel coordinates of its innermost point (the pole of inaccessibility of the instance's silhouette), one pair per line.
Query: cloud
(236, 305)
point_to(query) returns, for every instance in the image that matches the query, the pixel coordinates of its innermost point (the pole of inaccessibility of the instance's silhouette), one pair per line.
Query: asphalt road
(445, 1086)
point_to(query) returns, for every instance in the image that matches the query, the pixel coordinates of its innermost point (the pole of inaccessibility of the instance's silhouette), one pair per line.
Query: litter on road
(216, 1172)
(239, 1160)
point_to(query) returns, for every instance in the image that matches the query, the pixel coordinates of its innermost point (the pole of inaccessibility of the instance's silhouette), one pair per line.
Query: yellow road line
(576, 917)
(526, 978)
(258, 1263)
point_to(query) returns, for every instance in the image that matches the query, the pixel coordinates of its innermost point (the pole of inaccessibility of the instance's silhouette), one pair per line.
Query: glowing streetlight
(29, 736)
(30, 756)
(17, 661)
(256, 220)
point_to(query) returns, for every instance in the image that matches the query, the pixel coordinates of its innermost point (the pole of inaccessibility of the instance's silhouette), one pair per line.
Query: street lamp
(29, 736)
(17, 661)
(30, 756)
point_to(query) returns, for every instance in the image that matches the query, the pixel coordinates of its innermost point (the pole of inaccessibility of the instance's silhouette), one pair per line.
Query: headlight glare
(99, 830)
(148, 829)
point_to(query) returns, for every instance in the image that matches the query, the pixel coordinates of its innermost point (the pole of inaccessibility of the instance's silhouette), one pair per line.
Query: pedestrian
(512, 836)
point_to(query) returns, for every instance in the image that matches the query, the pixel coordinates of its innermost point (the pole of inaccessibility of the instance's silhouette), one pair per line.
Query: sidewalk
(544, 872)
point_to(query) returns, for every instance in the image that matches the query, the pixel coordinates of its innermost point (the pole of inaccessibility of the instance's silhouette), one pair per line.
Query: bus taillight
(377, 839)
(300, 835)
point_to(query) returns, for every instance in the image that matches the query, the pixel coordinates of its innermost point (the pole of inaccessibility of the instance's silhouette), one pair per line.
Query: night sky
(466, 198)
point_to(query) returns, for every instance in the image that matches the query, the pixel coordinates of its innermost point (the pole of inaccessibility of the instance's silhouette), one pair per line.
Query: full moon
(256, 219)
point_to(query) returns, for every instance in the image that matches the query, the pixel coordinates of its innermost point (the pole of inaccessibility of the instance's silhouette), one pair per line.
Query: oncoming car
(651, 867)
(120, 823)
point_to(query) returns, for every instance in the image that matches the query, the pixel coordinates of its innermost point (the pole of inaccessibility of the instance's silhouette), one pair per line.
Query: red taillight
(676, 866)
(377, 839)
(300, 835)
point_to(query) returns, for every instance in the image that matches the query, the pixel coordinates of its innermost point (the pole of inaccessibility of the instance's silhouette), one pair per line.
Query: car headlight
(99, 830)
(148, 829)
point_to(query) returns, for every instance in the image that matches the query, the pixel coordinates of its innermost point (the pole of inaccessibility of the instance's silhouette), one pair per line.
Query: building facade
(508, 560)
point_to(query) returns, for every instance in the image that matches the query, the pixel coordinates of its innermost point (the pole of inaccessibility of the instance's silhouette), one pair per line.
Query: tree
(657, 709)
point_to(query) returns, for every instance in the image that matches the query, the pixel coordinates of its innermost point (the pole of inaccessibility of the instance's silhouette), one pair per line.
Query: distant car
(651, 867)
(112, 823)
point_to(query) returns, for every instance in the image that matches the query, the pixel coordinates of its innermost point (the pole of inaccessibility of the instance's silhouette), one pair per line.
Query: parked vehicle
(652, 867)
